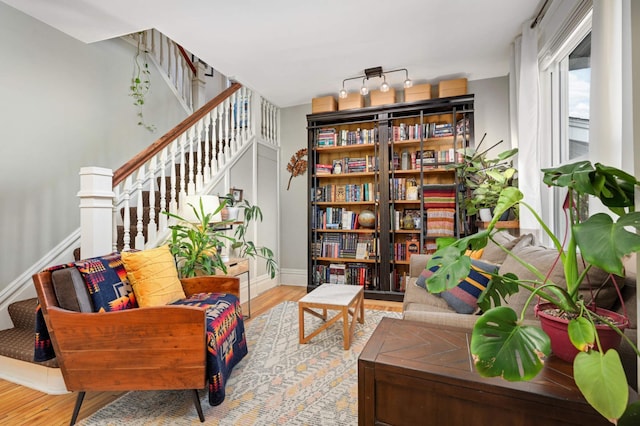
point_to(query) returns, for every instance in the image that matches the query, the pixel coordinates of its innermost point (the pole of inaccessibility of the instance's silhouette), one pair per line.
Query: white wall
(491, 116)
(63, 105)
(492, 112)
(293, 203)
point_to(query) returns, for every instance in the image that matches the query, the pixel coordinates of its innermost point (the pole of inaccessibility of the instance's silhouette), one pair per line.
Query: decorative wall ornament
(297, 165)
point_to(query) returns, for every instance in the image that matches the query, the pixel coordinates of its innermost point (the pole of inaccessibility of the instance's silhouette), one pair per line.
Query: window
(569, 77)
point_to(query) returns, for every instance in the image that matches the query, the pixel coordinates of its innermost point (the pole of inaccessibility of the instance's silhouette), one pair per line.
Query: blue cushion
(107, 282)
(464, 297)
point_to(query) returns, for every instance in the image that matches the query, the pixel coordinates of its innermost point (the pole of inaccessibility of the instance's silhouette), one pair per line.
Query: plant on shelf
(141, 82)
(484, 177)
(501, 344)
(197, 246)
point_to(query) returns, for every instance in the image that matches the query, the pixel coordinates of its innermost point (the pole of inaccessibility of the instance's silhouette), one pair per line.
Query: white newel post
(198, 87)
(96, 211)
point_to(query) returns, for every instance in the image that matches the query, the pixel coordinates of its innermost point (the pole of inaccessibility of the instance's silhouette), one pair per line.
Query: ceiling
(293, 50)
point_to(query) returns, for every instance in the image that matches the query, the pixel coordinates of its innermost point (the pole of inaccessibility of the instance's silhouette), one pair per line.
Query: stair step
(18, 343)
(23, 314)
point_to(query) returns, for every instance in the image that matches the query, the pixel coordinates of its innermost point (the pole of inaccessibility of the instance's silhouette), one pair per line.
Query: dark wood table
(412, 373)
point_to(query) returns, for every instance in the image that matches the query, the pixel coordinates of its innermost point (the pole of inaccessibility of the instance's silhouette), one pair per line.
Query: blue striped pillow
(464, 298)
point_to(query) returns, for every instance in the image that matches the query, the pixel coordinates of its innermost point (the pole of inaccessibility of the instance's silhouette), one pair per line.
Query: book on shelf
(362, 251)
(324, 169)
(337, 273)
(326, 137)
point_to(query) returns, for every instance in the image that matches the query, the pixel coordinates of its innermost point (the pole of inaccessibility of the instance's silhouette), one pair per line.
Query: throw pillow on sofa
(464, 297)
(106, 280)
(154, 276)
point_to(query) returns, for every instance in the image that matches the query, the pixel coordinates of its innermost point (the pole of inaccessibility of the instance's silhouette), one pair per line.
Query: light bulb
(364, 91)
(408, 83)
(384, 87)
(342, 93)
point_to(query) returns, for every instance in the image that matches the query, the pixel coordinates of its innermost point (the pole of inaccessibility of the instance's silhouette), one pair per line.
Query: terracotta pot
(556, 328)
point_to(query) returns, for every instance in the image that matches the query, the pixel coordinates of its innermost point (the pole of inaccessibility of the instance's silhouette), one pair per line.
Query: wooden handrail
(141, 158)
(187, 59)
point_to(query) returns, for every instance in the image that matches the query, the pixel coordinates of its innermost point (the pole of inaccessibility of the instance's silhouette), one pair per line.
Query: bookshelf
(380, 190)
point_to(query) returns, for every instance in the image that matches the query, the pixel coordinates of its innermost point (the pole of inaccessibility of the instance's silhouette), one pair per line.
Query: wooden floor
(20, 405)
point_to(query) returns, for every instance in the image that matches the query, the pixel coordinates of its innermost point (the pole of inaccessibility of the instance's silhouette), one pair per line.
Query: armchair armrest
(211, 284)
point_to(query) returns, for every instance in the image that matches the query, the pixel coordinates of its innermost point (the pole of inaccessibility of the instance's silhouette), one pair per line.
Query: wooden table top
(441, 354)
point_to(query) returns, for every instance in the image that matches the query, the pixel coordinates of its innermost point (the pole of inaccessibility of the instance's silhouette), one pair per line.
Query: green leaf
(631, 416)
(602, 381)
(502, 347)
(603, 243)
(497, 290)
(582, 333)
(452, 268)
(509, 197)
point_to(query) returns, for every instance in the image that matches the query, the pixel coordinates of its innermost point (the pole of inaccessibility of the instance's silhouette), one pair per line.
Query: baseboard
(44, 379)
(295, 277)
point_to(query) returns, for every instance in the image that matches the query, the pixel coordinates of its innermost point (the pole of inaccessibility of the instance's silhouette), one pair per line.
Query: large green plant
(197, 246)
(501, 345)
(484, 177)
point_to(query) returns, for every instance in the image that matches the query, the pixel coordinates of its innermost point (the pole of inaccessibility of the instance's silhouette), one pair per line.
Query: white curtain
(605, 105)
(525, 122)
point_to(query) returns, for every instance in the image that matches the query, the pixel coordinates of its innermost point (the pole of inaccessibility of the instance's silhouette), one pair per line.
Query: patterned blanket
(226, 340)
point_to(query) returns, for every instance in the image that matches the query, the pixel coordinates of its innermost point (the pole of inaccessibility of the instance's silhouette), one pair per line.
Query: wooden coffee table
(347, 299)
(412, 373)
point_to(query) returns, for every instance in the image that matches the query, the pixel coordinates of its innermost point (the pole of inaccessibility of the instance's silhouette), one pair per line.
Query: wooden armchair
(151, 348)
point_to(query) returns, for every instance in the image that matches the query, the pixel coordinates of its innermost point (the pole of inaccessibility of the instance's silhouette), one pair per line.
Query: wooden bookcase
(391, 161)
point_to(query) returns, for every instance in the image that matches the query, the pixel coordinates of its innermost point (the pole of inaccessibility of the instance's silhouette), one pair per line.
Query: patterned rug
(280, 382)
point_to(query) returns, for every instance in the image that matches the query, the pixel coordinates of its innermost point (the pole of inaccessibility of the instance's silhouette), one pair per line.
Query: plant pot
(485, 214)
(556, 328)
(232, 213)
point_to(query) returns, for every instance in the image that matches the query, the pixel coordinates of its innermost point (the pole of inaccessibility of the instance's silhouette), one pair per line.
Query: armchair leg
(196, 402)
(76, 409)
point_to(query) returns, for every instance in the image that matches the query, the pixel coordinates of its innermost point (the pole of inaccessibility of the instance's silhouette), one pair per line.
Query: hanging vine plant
(141, 82)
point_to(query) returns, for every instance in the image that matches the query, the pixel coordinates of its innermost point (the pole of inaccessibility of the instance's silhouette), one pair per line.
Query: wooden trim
(187, 59)
(141, 158)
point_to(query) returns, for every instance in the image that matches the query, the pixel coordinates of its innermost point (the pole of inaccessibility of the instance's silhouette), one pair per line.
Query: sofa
(420, 305)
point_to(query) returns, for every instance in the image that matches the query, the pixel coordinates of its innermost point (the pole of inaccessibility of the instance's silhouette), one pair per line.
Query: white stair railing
(177, 68)
(189, 163)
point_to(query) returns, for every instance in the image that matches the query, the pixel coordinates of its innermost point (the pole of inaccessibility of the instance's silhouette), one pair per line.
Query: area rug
(280, 382)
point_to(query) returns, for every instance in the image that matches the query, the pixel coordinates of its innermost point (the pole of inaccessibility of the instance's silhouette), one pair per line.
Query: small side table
(237, 267)
(347, 299)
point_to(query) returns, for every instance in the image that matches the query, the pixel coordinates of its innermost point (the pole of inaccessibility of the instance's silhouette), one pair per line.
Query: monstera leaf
(601, 379)
(502, 347)
(603, 242)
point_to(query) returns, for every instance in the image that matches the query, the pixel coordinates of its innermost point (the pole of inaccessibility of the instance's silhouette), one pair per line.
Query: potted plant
(484, 177)
(501, 345)
(197, 246)
(229, 211)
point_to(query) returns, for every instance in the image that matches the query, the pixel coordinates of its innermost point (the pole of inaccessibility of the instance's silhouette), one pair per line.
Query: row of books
(334, 218)
(403, 189)
(344, 192)
(338, 166)
(337, 273)
(330, 137)
(428, 158)
(405, 131)
(345, 245)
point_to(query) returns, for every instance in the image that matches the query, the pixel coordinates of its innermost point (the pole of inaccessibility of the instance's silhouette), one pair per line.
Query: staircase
(193, 158)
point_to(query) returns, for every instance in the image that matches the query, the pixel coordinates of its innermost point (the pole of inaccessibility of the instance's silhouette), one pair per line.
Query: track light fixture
(372, 73)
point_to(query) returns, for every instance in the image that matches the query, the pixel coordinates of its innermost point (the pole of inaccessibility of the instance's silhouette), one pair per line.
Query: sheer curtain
(605, 133)
(525, 121)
